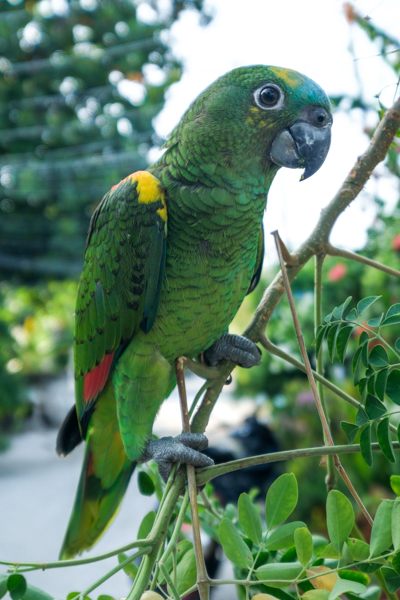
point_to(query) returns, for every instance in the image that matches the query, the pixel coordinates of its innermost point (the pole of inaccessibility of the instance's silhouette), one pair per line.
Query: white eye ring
(258, 97)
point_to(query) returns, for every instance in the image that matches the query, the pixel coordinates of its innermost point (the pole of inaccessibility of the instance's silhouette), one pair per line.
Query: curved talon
(184, 448)
(233, 347)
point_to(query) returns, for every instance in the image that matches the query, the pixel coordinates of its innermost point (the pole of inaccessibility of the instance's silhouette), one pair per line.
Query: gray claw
(184, 448)
(233, 347)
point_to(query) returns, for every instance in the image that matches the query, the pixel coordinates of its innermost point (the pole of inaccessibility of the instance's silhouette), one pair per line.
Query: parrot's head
(267, 117)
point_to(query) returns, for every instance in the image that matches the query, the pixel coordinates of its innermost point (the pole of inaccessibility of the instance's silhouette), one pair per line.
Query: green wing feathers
(121, 281)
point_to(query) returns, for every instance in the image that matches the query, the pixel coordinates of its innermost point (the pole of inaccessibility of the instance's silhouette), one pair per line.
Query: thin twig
(208, 473)
(330, 479)
(332, 251)
(322, 416)
(202, 577)
(79, 561)
(115, 570)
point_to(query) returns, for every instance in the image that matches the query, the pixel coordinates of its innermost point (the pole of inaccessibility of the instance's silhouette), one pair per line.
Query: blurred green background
(79, 87)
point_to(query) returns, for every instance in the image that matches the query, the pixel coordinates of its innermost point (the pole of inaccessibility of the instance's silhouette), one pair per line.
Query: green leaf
(286, 571)
(345, 585)
(353, 315)
(328, 318)
(105, 597)
(393, 386)
(331, 339)
(250, 519)
(342, 342)
(234, 547)
(373, 593)
(322, 329)
(357, 366)
(145, 483)
(362, 389)
(396, 560)
(394, 320)
(338, 312)
(181, 549)
(376, 321)
(146, 525)
(186, 572)
(230, 511)
(3, 585)
(392, 579)
(366, 303)
(283, 537)
(393, 310)
(384, 440)
(130, 569)
(397, 345)
(16, 586)
(73, 595)
(350, 430)
(361, 416)
(365, 444)
(364, 355)
(33, 593)
(358, 549)
(374, 407)
(371, 384)
(380, 383)
(340, 518)
(329, 552)
(396, 524)
(316, 595)
(354, 576)
(281, 500)
(395, 482)
(381, 534)
(304, 545)
(369, 567)
(378, 356)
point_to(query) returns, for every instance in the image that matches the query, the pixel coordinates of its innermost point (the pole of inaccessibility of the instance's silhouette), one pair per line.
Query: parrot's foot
(233, 347)
(184, 448)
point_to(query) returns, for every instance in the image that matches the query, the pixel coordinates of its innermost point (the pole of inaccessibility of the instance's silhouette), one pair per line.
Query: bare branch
(332, 251)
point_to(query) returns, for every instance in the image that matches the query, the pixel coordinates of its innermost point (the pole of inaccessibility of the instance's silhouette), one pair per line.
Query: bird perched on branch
(170, 255)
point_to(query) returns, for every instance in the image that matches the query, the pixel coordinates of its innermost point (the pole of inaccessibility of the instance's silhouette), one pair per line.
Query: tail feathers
(69, 435)
(94, 508)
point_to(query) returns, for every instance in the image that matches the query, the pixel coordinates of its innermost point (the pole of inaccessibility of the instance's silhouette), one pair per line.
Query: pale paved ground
(37, 490)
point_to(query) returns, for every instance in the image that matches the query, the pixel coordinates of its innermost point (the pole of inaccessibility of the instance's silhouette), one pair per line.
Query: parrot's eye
(269, 96)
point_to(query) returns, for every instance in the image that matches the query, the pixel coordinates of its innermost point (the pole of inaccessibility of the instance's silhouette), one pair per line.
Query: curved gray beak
(305, 144)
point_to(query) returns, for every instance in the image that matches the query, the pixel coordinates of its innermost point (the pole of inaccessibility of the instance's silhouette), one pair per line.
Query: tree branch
(208, 473)
(332, 251)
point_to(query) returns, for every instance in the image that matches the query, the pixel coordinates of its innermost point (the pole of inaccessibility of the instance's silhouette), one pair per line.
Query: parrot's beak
(305, 144)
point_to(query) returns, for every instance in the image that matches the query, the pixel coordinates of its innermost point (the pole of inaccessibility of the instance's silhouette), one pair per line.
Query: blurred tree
(80, 83)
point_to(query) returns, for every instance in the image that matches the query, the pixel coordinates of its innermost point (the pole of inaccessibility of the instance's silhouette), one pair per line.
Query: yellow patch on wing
(290, 77)
(149, 190)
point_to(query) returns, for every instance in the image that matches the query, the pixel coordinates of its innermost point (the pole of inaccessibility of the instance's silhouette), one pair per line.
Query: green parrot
(150, 293)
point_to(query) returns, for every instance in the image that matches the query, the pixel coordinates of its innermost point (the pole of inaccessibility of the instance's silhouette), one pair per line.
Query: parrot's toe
(233, 347)
(184, 448)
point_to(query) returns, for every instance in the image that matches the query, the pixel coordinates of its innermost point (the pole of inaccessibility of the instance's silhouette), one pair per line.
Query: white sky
(311, 36)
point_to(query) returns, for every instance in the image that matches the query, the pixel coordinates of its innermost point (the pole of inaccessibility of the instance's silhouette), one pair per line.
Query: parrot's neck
(216, 196)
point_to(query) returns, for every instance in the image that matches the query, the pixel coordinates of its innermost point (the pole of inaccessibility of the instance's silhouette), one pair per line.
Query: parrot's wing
(120, 285)
(259, 261)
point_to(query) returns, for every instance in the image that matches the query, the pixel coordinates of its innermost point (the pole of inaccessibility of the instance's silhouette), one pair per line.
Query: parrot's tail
(105, 475)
